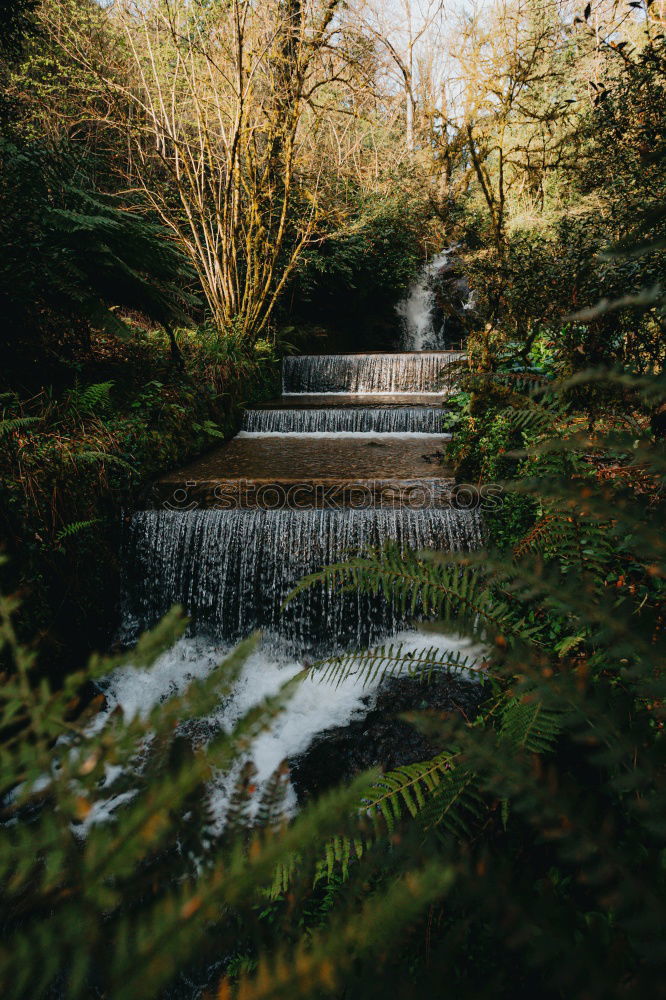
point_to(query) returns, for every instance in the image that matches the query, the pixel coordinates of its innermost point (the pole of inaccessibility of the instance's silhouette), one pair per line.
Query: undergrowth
(71, 457)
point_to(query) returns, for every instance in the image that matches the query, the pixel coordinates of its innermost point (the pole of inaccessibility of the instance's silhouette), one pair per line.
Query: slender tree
(223, 109)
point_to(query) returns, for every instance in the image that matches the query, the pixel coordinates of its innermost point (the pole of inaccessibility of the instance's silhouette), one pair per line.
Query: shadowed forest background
(191, 191)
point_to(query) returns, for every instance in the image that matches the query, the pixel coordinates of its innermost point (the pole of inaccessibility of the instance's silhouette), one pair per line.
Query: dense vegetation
(158, 256)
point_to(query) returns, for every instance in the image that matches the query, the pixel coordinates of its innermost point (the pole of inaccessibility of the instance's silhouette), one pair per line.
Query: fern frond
(456, 804)
(454, 590)
(531, 725)
(210, 428)
(75, 528)
(538, 536)
(102, 456)
(91, 399)
(313, 968)
(535, 420)
(271, 811)
(16, 424)
(393, 660)
(573, 541)
(239, 799)
(407, 788)
(438, 792)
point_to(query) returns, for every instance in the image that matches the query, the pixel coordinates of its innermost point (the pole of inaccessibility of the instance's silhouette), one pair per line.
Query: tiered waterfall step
(232, 570)
(337, 420)
(347, 446)
(304, 472)
(424, 372)
(308, 483)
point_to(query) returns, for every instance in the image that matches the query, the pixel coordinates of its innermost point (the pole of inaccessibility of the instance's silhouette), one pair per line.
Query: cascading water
(313, 708)
(369, 374)
(417, 311)
(353, 420)
(232, 569)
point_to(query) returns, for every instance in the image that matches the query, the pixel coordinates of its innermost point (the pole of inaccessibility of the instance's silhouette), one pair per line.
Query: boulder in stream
(381, 738)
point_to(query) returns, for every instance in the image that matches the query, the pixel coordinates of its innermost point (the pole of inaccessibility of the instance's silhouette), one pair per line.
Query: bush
(112, 880)
(546, 811)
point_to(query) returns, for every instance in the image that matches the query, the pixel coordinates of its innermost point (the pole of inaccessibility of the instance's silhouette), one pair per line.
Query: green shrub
(105, 884)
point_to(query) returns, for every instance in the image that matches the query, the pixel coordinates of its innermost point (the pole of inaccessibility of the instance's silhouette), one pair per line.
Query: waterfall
(232, 569)
(351, 420)
(417, 311)
(369, 374)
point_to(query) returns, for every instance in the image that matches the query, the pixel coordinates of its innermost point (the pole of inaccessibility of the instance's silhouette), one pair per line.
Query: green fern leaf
(530, 725)
(393, 660)
(75, 528)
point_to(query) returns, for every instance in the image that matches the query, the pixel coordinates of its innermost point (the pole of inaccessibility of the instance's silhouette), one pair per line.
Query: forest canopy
(266, 141)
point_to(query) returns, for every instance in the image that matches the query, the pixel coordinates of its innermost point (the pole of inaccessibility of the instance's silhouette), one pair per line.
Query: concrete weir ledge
(321, 470)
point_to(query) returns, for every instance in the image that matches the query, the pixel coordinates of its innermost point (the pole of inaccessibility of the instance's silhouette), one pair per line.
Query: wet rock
(381, 739)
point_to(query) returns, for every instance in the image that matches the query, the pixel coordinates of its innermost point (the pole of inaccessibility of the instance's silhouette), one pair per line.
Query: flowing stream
(345, 420)
(232, 569)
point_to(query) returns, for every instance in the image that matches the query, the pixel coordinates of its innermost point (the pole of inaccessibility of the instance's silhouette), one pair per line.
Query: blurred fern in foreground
(120, 891)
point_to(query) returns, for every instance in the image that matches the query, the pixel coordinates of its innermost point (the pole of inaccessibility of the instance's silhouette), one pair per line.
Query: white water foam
(417, 310)
(311, 709)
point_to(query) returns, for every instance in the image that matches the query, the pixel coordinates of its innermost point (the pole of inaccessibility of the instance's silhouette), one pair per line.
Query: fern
(529, 724)
(91, 399)
(487, 596)
(407, 788)
(453, 589)
(54, 767)
(11, 424)
(574, 541)
(271, 808)
(376, 665)
(102, 457)
(210, 428)
(74, 258)
(316, 965)
(457, 806)
(438, 791)
(75, 528)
